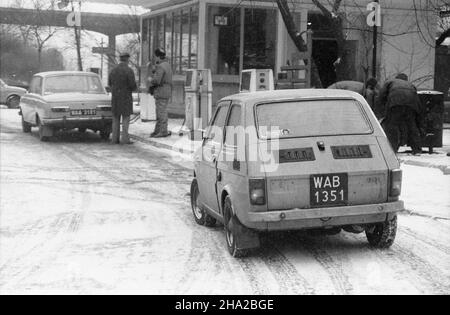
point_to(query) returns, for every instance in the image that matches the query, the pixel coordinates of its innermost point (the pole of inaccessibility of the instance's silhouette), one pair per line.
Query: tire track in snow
(285, 273)
(422, 274)
(333, 268)
(425, 239)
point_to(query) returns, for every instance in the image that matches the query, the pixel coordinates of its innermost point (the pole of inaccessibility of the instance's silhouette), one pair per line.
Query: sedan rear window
(73, 83)
(312, 118)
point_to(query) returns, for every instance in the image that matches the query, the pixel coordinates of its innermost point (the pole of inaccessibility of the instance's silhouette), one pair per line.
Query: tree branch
(443, 37)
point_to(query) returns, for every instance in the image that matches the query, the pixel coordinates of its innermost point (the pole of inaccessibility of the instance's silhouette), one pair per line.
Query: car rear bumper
(72, 122)
(322, 217)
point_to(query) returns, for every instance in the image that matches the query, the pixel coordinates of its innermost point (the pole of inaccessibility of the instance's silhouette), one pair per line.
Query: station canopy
(143, 3)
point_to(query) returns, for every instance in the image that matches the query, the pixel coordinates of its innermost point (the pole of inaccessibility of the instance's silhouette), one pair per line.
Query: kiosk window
(224, 40)
(259, 39)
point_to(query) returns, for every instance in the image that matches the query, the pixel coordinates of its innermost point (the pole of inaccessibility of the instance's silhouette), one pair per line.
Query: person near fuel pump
(161, 86)
(399, 105)
(122, 83)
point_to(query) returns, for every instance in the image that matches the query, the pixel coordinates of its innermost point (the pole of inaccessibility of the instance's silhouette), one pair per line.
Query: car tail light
(104, 107)
(60, 109)
(257, 189)
(396, 183)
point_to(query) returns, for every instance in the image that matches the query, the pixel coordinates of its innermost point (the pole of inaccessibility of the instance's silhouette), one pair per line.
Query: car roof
(53, 73)
(279, 95)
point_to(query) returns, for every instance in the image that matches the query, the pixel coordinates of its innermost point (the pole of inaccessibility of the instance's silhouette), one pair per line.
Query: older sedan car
(293, 160)
(10, 95)
(66, 100)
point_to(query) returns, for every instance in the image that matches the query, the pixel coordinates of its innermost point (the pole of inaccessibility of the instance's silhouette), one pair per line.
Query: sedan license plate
(81, 112)
(328, 189)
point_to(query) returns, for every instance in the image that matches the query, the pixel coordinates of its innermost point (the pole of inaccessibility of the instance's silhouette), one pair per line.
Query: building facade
(228, 36)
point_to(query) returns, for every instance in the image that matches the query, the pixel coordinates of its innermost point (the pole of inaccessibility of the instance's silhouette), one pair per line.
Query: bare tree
(41, 31)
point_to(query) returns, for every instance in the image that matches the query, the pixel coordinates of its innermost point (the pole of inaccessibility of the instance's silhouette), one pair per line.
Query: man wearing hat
(162, 84)
(122, 83)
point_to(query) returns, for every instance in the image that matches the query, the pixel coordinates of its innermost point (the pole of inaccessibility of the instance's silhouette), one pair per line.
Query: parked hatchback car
(66, 100)
(10, 95)
(293, 160)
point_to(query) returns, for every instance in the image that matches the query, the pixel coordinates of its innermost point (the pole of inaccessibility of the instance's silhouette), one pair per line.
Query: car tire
(105, 133)
(200, 215)
(382, 235)
(41, 131)
(232, 238)
(26, 127)
(13, 101)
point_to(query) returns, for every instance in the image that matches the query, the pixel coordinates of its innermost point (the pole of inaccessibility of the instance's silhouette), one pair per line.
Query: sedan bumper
(77, 122)
(322, 217)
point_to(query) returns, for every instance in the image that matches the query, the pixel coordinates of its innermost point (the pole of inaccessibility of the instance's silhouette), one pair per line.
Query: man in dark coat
(399, 104)
(161, 81)
(122, 83)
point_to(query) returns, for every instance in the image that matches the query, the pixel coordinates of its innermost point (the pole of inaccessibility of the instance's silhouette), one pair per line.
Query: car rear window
(73, 83)
(309, 118)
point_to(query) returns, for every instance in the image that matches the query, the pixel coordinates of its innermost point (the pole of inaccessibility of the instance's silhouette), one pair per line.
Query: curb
(419, 214)
(160, 145)
(444, 168)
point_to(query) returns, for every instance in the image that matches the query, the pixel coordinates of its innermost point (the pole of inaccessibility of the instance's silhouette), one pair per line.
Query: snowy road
(82, 216)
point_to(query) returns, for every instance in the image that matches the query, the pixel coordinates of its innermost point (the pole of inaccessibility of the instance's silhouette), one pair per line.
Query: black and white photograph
(227, 154)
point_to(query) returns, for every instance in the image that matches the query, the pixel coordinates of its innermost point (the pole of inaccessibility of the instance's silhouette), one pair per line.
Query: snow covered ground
(78, 215)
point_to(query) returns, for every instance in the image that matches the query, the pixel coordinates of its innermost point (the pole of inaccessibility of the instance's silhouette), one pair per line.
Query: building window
(193, 51)
(169, 37)
(176, 42)
(223, 39)
(184, 41)
(260, 38)
(177, 32)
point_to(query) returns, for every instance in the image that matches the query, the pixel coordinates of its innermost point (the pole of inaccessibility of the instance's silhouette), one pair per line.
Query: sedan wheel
(13, 101)
(42, 132)
(26, 127)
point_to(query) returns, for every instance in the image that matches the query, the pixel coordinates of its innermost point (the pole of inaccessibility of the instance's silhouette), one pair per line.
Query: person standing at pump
(399, 104)
(122, 83)
(161, 81)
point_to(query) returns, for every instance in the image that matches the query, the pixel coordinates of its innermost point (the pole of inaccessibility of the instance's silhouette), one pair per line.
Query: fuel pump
(198, 101)
(253, 80)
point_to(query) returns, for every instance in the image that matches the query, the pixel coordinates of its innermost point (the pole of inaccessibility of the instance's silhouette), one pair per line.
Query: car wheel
(42, 128)
(13, 101)
(200, 215)
(232, 225)
(382, 235)
(105, 134)
(26, 127)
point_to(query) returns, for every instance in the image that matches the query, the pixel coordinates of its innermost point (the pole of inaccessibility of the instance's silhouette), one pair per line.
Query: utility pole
(101, 60)
(374, 20)
(77, 31)
(374, 53)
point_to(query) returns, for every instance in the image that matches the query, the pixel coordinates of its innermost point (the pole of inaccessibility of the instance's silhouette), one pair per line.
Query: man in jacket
(162, 83)
(399, 104)
(122, 83)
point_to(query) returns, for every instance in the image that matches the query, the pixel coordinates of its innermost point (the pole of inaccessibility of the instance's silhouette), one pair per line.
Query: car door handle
(219, 176)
